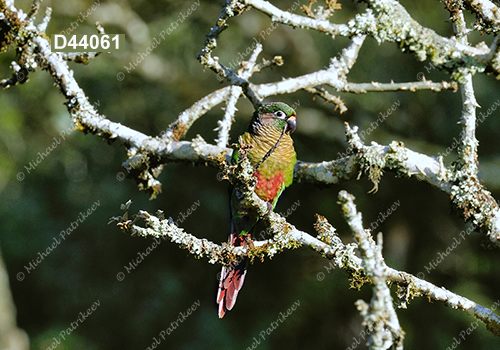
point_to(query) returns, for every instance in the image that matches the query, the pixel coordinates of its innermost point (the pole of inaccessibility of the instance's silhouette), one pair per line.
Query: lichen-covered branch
(155, 151)
(178, 129)
(152, 149)
(488, 12)
(412, 286)
(224, 125)
(386, 20)
(372, 160)
(467, 150)
(334, 76)
(471, 199)
(286, 236)
(379, 315)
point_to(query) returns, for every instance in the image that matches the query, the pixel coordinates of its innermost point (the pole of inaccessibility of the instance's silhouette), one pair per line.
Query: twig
(467, 150)
(297, 21)
(347, 59)
(488, 11)
(224, 125)
(178, 129)
(379, 314)
(246, 72)
(35, 6)
(276, 61)
(323, 93)
(331, 78)
(79, 57)
(493, 58)
(46, 19)
(231, 8)
(361, 88)
(286, 236)
(378, 22)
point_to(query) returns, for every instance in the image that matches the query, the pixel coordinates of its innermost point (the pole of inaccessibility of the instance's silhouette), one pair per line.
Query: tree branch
(384, 20)
(286, 236)
(379, 314)
(488, 12)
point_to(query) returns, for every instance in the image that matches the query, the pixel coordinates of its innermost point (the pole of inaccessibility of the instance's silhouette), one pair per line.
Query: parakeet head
(278, 114)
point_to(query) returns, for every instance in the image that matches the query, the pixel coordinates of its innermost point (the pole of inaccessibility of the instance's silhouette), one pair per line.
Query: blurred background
(132, 307)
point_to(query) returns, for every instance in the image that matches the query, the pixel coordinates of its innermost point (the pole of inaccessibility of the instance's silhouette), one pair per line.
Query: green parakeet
(273, 157)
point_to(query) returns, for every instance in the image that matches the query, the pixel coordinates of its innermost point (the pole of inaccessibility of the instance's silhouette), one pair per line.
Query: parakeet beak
(291, 124)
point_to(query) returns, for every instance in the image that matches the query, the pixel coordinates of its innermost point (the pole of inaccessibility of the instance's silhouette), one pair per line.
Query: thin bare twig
(362, 88)
(224, 126)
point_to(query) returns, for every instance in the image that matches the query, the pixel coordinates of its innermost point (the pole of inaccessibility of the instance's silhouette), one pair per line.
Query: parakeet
(273, 157)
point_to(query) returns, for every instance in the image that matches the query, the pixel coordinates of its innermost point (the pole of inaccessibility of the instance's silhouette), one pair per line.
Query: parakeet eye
(280, 114)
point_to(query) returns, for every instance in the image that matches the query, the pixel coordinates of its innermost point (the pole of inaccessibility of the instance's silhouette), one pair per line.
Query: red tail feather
(231, 279)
